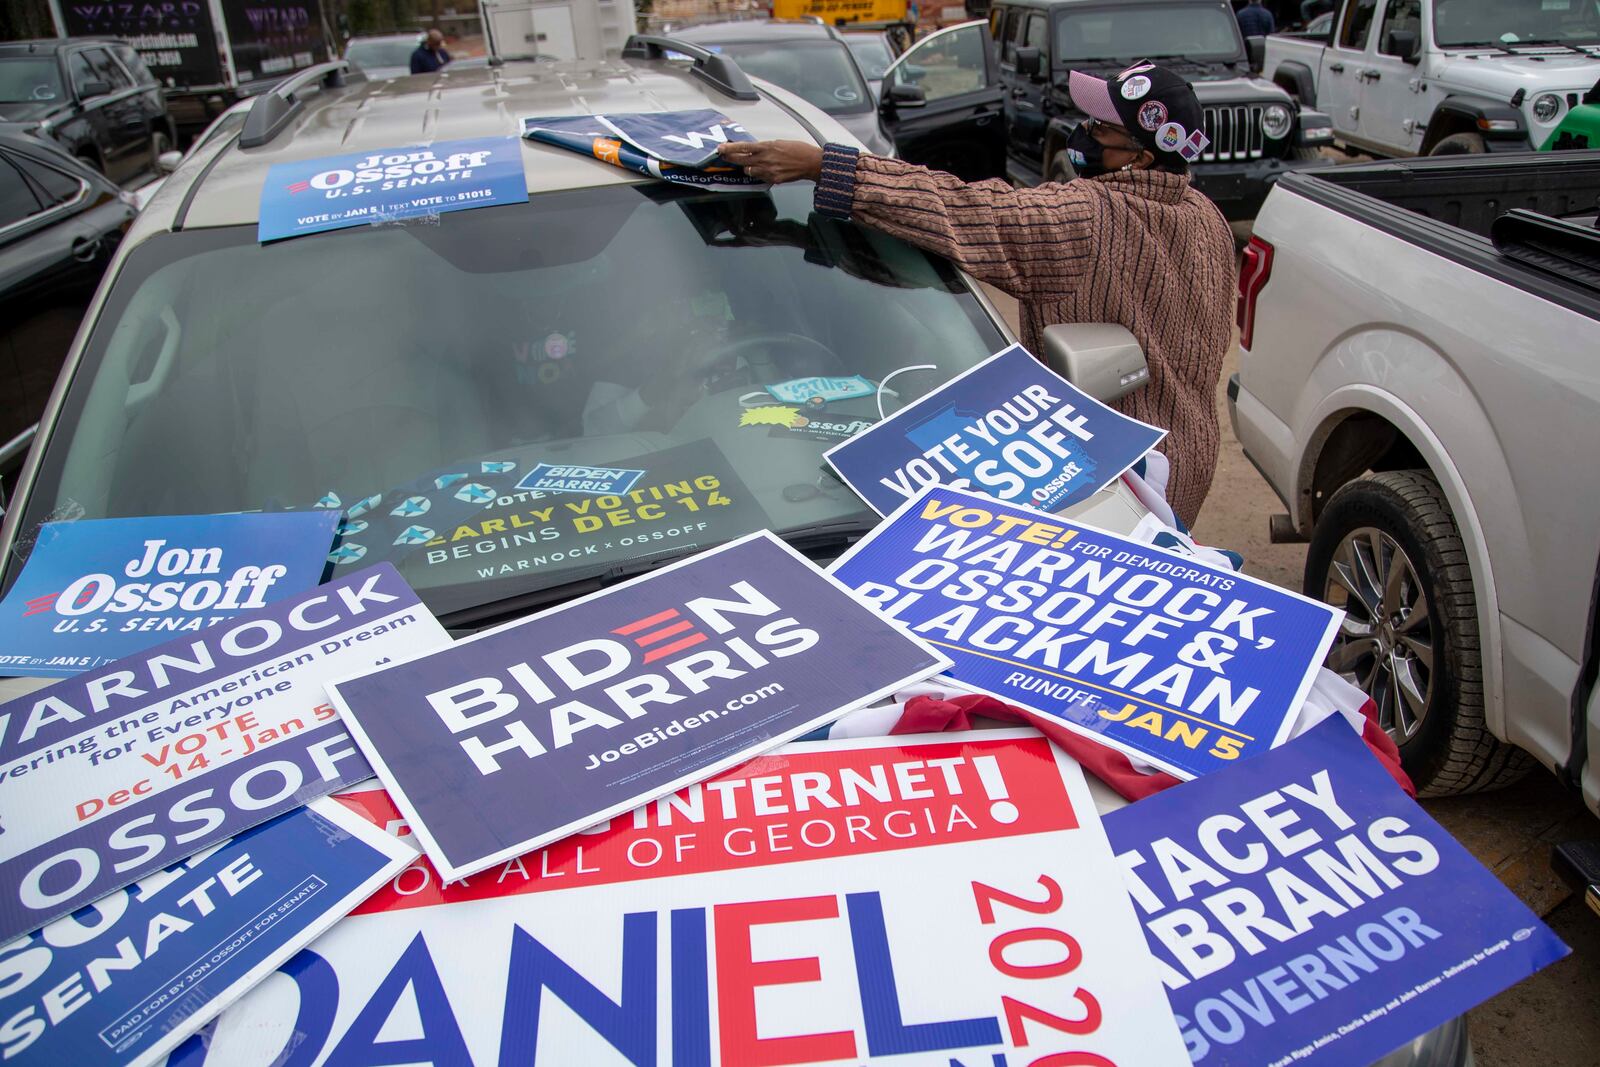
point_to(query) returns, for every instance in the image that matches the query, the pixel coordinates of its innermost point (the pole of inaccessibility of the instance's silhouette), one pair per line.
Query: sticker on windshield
(685, 498)
(577, 478)
(389, 184)
(801, 390)
(101, 589)
(808, 425)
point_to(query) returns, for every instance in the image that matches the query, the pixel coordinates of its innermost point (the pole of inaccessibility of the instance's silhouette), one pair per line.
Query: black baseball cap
(1157, 107)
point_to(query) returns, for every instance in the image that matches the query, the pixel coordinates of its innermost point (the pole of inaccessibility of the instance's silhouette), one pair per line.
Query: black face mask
(1087, 155)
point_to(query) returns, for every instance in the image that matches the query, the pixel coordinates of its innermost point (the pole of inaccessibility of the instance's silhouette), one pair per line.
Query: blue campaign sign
(526, 733)
(589, 135)
(1009, 427)
(1139, 648)
(99, 589)
(1303, 909)
(118, 772)
(577, 478)
(682, 138)
(406, 182)
(124, 980)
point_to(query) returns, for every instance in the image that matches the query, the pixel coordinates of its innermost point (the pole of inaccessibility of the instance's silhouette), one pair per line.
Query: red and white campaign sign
(942, 899)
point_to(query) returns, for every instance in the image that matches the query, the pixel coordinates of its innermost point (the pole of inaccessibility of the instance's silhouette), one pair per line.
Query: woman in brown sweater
(1129, 242)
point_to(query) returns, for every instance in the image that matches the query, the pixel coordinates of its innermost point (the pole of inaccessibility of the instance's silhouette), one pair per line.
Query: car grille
(1235, 133)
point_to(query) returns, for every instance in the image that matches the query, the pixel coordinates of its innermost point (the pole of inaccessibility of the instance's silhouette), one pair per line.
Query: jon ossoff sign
(527, 733)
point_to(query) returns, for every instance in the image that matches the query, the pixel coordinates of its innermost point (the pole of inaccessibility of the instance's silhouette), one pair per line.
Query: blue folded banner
(1009, 427)
(590, 135)
(121, 771)
(126, 979)
(1305, 910)
(524, 734)
(682, 138)
(1142, 649)
(99, 589)
(389, 184)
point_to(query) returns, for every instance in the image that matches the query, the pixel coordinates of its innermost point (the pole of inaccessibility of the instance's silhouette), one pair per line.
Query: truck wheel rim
(1385, 644)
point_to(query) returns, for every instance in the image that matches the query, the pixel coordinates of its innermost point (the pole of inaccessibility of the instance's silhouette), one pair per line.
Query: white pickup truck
(1420, 383)
(1436, 77)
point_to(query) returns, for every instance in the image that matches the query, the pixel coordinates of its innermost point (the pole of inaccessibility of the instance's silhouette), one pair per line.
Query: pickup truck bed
(1449, 206)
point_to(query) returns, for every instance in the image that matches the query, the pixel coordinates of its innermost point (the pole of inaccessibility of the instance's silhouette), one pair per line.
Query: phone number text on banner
(1142, 649)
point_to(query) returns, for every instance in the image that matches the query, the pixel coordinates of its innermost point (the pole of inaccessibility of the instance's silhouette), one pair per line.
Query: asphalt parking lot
(1551, 1019)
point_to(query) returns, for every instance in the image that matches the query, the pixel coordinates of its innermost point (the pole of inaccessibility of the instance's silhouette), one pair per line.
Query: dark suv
(958, 95)
(93, 96)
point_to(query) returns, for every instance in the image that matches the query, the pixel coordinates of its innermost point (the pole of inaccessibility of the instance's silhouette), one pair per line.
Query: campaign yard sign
(1304, 909)
(127, 769)
(99, 589)
(126, 979)
(390, 184)
(929, 900)
(681, 138)
(1009, 427)
(523, 734)
(591, 135)
(1142, 649)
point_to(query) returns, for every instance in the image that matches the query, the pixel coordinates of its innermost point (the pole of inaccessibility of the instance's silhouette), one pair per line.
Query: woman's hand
(775, 161)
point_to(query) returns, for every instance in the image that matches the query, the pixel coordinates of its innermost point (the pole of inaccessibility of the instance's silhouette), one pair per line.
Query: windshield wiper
(1552, 42)
(820, 542)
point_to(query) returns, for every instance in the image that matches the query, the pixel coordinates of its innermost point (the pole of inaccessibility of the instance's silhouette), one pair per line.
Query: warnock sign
(100, 589)
(1138, 648)
(526, 733)
(916, 900)
(389, 185)
(1305, 910)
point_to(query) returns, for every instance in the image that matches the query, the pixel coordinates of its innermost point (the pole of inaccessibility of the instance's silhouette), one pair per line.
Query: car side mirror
(1403, 43)
(900, 95)
(90, 90)
(1255, 48)
(167, 162)
(1029, 61)
(1099, 358)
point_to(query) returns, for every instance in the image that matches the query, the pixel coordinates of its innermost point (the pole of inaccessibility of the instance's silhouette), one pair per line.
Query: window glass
(1463, 23)
(82, 73)
(946, 66)
(1357, 24)
(54, 186)
(1038, 34)
(997, 19)
(1400, 15)
(1126, 34)
(109, 70)
(629, 325)
(1016, 21)
(17, 201)
(821, 72)
(134, 65)
(29, 80)
(871, 52)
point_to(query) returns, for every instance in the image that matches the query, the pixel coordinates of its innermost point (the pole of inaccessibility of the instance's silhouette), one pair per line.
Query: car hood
(30, 111)
(1502, 75)
(1213, 82)
(866, 129)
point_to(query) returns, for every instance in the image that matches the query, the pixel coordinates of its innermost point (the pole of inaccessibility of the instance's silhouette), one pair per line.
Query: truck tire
(1387, 550)
(1460, 144)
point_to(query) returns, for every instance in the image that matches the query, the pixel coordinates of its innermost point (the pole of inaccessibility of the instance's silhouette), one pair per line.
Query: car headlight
(1546, 106)
(1276, 122)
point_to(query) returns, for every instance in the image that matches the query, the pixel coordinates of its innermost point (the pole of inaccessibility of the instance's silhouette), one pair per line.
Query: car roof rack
(716, 70)
(277, 107)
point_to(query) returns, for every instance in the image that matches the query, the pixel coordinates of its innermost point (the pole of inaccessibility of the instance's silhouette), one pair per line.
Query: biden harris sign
(388, 185)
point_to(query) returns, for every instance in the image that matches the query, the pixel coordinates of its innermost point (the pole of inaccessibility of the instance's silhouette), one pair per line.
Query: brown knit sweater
(1138, 248)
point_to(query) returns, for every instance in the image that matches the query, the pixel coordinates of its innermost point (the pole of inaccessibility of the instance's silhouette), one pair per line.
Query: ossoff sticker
(1141, 649)
(784, 912)
(523, 734)
(127, 769)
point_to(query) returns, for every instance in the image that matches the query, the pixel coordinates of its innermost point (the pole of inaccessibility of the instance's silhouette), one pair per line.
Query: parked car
(92, 96)
(1418, 383)
(874, 50)
(207, 54)
(60, 223)
(806, 58)
(1424, 77)
(388, 56)
(986, 100)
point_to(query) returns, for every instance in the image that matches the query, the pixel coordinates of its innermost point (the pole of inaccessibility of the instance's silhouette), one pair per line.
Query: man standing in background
(430, 54)
(1255, 20)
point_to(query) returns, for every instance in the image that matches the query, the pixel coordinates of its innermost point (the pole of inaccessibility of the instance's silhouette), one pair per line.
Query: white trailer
(564, 29)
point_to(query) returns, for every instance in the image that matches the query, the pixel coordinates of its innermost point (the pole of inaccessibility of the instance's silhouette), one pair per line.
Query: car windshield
(29, 79)
(820, 72)
(1458, 23)
(1188, 30)
(685, 357)
(376, 54)
(871, 52)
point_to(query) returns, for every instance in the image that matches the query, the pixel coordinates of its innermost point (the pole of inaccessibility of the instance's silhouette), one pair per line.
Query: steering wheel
(742, 345)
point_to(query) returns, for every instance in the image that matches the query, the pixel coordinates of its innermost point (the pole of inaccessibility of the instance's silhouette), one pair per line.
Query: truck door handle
(1337, 68)
(1371, 75)
(84, 249)
(1018, 94)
